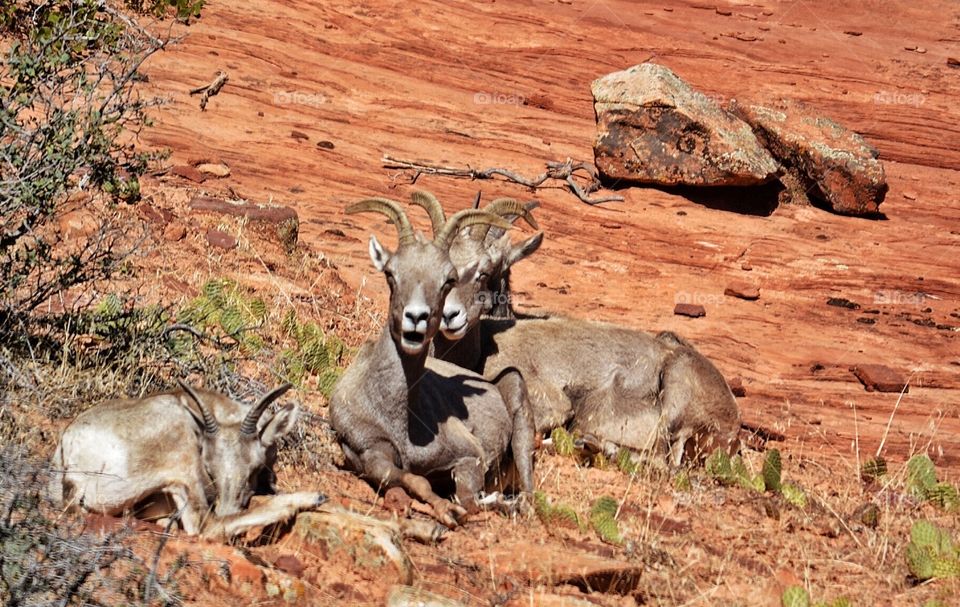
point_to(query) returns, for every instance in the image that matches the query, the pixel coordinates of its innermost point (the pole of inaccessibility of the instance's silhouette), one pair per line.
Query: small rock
(842, 302)
(746, 267)
(220, 239)
(326, 145)
(832, 163)
(290, 564)
(742, 290)
(77, 224)
(408, 596)
(688, 309)
(395, 499)
(853, 32)
(652, 127)
(214, 169)
(154, 215)
(880, 378)
(364, 542)
(953, 62)
(909, 195)
(736, 386)
(299, 135)
(188, 172)
(724, 12)
(174, 232)
(536, 564)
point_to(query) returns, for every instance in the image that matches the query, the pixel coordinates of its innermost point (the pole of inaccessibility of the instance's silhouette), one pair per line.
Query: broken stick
(211, 89)
(566, 171)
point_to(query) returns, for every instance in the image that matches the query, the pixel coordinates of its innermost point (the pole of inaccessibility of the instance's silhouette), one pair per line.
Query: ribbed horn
(391, 209)
(249, 425)
(504, 207)
(466, 218)
(210, 424)
(430, 203)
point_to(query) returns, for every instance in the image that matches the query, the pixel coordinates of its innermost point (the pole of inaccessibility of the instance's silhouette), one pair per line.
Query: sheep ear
(525, 249)
(378, 254)
(280, 424)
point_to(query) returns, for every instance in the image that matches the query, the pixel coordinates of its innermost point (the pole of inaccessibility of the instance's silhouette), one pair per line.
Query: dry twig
(566, 171)
(211, 89)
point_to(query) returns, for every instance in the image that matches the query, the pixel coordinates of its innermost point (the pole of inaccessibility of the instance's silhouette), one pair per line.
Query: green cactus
(943, 495)
(921, 475)
(771, 471)
(224, 306)
(563, 442)
(795, 596)
(554, 514)
(681, 482)
(315, 354)
(719, 467)
(603, 519)
(794, 495)
(931, 552)
(626, 463)
(874, 469)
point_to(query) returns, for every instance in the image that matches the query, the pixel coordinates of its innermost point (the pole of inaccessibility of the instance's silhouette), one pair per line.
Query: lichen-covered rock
(652, 127)
(369, 544)
(832, 163)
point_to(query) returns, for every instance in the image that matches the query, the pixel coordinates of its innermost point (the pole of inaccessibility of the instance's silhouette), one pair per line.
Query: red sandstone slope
(508, 84)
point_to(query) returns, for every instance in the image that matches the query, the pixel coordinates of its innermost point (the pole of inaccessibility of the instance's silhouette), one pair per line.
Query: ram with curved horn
(617, 386)
(404, 419)
(184, 452)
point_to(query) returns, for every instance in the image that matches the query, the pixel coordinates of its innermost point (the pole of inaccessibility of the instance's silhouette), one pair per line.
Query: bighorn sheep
(178, 451)
(402, 417)
(622, 386)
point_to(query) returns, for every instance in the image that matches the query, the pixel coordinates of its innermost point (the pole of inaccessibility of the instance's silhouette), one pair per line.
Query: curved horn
(210, 424)
(508, 206)
(249, 425)
(466, 218)
(391, 209)
(430, 203)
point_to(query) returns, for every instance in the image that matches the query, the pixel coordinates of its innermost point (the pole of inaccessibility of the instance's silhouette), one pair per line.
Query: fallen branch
(566, 171)
(211, 89)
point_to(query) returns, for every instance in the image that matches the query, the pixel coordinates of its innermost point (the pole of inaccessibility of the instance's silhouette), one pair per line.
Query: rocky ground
(318, 93)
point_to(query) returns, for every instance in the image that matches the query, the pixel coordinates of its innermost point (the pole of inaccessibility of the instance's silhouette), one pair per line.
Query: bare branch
(566, 171)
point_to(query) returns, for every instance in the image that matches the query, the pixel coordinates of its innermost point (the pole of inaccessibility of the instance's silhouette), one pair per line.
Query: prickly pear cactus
(563, 442)
(943, 495)
(795, 596)
(921, 475)
(874, 469)
(794, 495)
(931, 552)
(771, 471)
(603, 520)
(554, 514)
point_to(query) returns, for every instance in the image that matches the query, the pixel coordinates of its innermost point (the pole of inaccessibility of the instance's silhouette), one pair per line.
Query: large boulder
(832, 164)
(652, 127)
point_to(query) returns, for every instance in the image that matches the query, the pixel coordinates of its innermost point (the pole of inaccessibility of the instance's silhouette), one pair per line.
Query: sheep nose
(416, 314)
(450, 316)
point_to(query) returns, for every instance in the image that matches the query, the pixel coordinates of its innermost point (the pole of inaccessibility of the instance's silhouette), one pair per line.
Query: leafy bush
(68, 84)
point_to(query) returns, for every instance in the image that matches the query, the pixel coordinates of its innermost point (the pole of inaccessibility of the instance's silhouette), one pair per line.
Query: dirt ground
(318, 93)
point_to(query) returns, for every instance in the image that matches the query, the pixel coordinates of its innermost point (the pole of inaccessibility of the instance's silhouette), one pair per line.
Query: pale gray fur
(181, 450)
(621, 386)
(402, 417)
